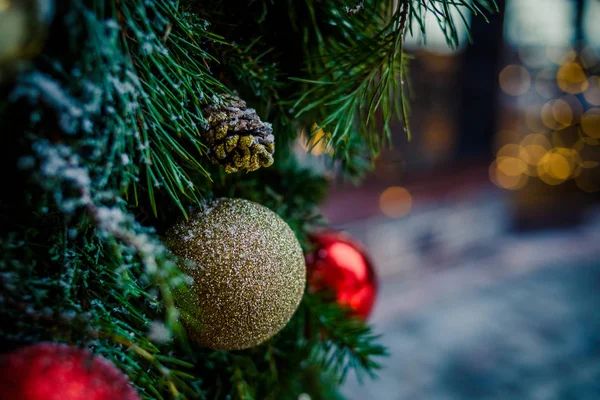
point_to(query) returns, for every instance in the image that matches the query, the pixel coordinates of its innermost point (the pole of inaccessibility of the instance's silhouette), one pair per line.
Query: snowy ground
(505, 316)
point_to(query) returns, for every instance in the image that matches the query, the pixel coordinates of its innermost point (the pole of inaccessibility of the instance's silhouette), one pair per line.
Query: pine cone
(237, 138)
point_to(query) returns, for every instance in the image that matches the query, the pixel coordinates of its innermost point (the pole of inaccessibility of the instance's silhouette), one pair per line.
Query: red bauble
(340, 264)
(51, 371)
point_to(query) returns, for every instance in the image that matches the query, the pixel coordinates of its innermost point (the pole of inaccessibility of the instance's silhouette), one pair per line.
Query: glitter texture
(249, 273)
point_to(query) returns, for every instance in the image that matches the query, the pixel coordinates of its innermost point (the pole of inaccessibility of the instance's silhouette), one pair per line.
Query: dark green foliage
(101, 148)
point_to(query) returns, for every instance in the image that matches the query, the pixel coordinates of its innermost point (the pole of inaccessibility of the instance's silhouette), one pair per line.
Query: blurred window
(540, 22)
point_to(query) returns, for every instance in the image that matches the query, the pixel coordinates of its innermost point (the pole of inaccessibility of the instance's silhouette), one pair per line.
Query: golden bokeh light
(515, 80)
(533, 118)
(562, 112)
(592, 94)
(555, 113)
(395, 202)
(536, 146)
(585, 139)
(554, 167)
(573, 158)
(590, 123)
(547, 117)
(536, 139)
(317, 144)
(571, 78)
(512, 150)
(504, 181)
(511, 166)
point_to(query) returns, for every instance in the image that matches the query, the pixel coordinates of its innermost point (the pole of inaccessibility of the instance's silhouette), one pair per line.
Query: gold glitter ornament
(248, 273)
(23, 24)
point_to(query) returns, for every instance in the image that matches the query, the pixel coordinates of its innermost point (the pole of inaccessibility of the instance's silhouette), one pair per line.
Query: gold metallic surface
(248, 277)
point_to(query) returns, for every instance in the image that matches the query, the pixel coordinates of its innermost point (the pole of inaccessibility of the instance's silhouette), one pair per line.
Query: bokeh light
(592, 94)
(555, 167)
(533, 118)
(590, 123)
(317, 144)
(512, 150)
(501, 179)
(556, 114)
(395, 202)
(515, 80)
(536, 145)
(562, 112)
(511, 166)
(571, 78)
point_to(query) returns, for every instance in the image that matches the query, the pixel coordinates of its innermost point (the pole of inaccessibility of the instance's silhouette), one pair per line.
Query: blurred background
(484, 229)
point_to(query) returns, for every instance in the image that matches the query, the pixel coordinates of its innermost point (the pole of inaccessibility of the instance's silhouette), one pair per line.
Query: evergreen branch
(358, 80)
(165, 46)
(117, 112)
(342, 342)
(441, 10)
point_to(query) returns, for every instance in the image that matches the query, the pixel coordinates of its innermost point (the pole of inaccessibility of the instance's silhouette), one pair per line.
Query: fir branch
(441, 10)
(166, 49)
(358, 79)
(359, 82)
(343, 342)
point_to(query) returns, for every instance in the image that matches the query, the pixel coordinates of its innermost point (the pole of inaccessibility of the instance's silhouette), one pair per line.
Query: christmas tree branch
(166, 47)
(442, 10)
(342, 342)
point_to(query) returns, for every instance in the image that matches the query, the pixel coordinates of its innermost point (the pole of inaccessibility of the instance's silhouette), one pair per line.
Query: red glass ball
(340, 264)
(52, 371)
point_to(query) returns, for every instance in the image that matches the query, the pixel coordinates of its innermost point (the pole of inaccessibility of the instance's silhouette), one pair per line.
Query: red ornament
(340, 264)
(52, 371)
